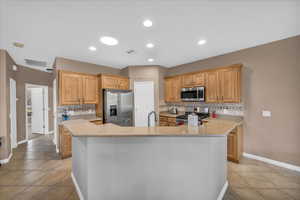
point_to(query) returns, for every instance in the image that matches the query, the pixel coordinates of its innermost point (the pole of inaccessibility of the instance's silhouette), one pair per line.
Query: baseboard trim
(272, 162)
(77, 187)
(4, 161)
(23, 141)
(223, 191)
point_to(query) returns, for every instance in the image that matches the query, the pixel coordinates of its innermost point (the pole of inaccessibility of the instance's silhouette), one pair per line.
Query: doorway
(36, 110)
(143, 103)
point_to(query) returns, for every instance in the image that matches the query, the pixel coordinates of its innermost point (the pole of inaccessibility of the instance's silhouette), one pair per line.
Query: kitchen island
(137, 163)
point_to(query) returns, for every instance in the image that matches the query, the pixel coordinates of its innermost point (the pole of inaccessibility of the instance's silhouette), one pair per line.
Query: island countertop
(212, 127)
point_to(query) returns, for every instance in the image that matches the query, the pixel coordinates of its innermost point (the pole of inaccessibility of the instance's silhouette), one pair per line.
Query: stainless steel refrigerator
(118, 107)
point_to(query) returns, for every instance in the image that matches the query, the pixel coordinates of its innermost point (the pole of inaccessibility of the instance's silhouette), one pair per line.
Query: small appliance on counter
(193, 119)
(173, 110)
(183, 119)
(65, 115)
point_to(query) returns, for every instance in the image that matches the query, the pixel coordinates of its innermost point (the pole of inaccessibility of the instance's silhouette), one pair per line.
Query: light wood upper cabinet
(224, 85)
(90, 89)
(77, 88)
(114, 82)
(194, 79)
(230, 85)
(212, 87)
(173, 89)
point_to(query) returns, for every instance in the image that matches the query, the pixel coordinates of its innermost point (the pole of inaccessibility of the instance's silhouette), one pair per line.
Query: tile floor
(36, 172)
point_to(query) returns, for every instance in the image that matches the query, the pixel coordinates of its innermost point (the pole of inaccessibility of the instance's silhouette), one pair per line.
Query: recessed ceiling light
(149, 45)
(201, 42)
(147, 23)
(150, 59)
(92, 48)
(110, 41)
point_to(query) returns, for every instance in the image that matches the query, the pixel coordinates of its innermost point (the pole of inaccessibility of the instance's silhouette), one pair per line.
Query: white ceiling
(66, 28)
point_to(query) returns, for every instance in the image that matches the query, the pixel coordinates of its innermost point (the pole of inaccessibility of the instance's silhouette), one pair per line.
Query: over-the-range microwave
(196, 94)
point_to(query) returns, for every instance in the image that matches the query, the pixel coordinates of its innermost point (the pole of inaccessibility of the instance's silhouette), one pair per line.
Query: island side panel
(79, 164)
(169, 168)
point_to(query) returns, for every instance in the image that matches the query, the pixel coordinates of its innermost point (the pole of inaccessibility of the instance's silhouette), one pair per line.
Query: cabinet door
(176, 89)
(231, 147)
(199, 79)
(90, 89)
(188, 80)
(230, 85)
(168, 90)
(65, 142)
(123, 84)
(212, 87)
(109, 82)
(70, 88)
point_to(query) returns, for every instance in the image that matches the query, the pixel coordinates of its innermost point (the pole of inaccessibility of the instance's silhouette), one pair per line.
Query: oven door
(189, 94)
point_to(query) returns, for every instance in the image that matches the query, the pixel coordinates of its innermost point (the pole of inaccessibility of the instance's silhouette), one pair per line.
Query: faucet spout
(149, 116)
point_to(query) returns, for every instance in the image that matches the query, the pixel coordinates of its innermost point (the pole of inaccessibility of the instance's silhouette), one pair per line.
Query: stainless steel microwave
(193, 94)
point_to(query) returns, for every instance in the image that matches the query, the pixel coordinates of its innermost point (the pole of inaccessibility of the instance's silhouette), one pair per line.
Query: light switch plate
(266, 113)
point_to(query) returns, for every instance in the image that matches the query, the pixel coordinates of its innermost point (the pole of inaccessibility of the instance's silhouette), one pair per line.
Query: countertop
(167, 114)
(213, 127)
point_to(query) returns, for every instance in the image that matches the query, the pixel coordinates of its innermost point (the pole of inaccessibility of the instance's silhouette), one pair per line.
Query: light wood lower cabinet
(235, 144)
(167, 121)
(65, 142)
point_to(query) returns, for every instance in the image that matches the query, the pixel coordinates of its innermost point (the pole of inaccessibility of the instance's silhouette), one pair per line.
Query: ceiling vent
(18, 44)
(36, 63)
(130, 51)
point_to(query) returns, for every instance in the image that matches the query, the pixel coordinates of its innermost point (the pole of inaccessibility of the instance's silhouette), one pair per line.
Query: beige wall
(147, 73)
(271, 81)
(83, 67)
(22, 76)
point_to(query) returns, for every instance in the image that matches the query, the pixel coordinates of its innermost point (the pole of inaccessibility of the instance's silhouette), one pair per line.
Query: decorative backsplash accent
(236, 109)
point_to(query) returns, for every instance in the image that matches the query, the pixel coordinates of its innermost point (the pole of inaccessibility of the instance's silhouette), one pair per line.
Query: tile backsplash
(76, 110)
(236, 109)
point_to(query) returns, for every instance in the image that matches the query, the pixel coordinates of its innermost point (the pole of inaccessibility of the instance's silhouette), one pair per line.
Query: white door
(37, 106)
(143, 103)
(13, 113)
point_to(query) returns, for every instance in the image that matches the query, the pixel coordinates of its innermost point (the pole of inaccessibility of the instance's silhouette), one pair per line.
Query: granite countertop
(167, 114)
(213, 127)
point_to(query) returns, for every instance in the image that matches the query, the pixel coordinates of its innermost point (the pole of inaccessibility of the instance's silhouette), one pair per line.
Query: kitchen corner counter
(212, 127)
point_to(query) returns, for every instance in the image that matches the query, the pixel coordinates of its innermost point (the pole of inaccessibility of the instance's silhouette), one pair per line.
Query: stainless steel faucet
(149, 115)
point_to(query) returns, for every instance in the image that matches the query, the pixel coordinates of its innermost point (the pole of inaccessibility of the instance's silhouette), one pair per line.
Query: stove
(182, 119)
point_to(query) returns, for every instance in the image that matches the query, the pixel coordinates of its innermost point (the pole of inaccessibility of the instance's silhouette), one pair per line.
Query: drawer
(163, 119)
(163, 123)
(172, 119)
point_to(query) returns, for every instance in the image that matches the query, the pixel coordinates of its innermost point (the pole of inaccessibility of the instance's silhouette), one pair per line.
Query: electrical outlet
(266, 113)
